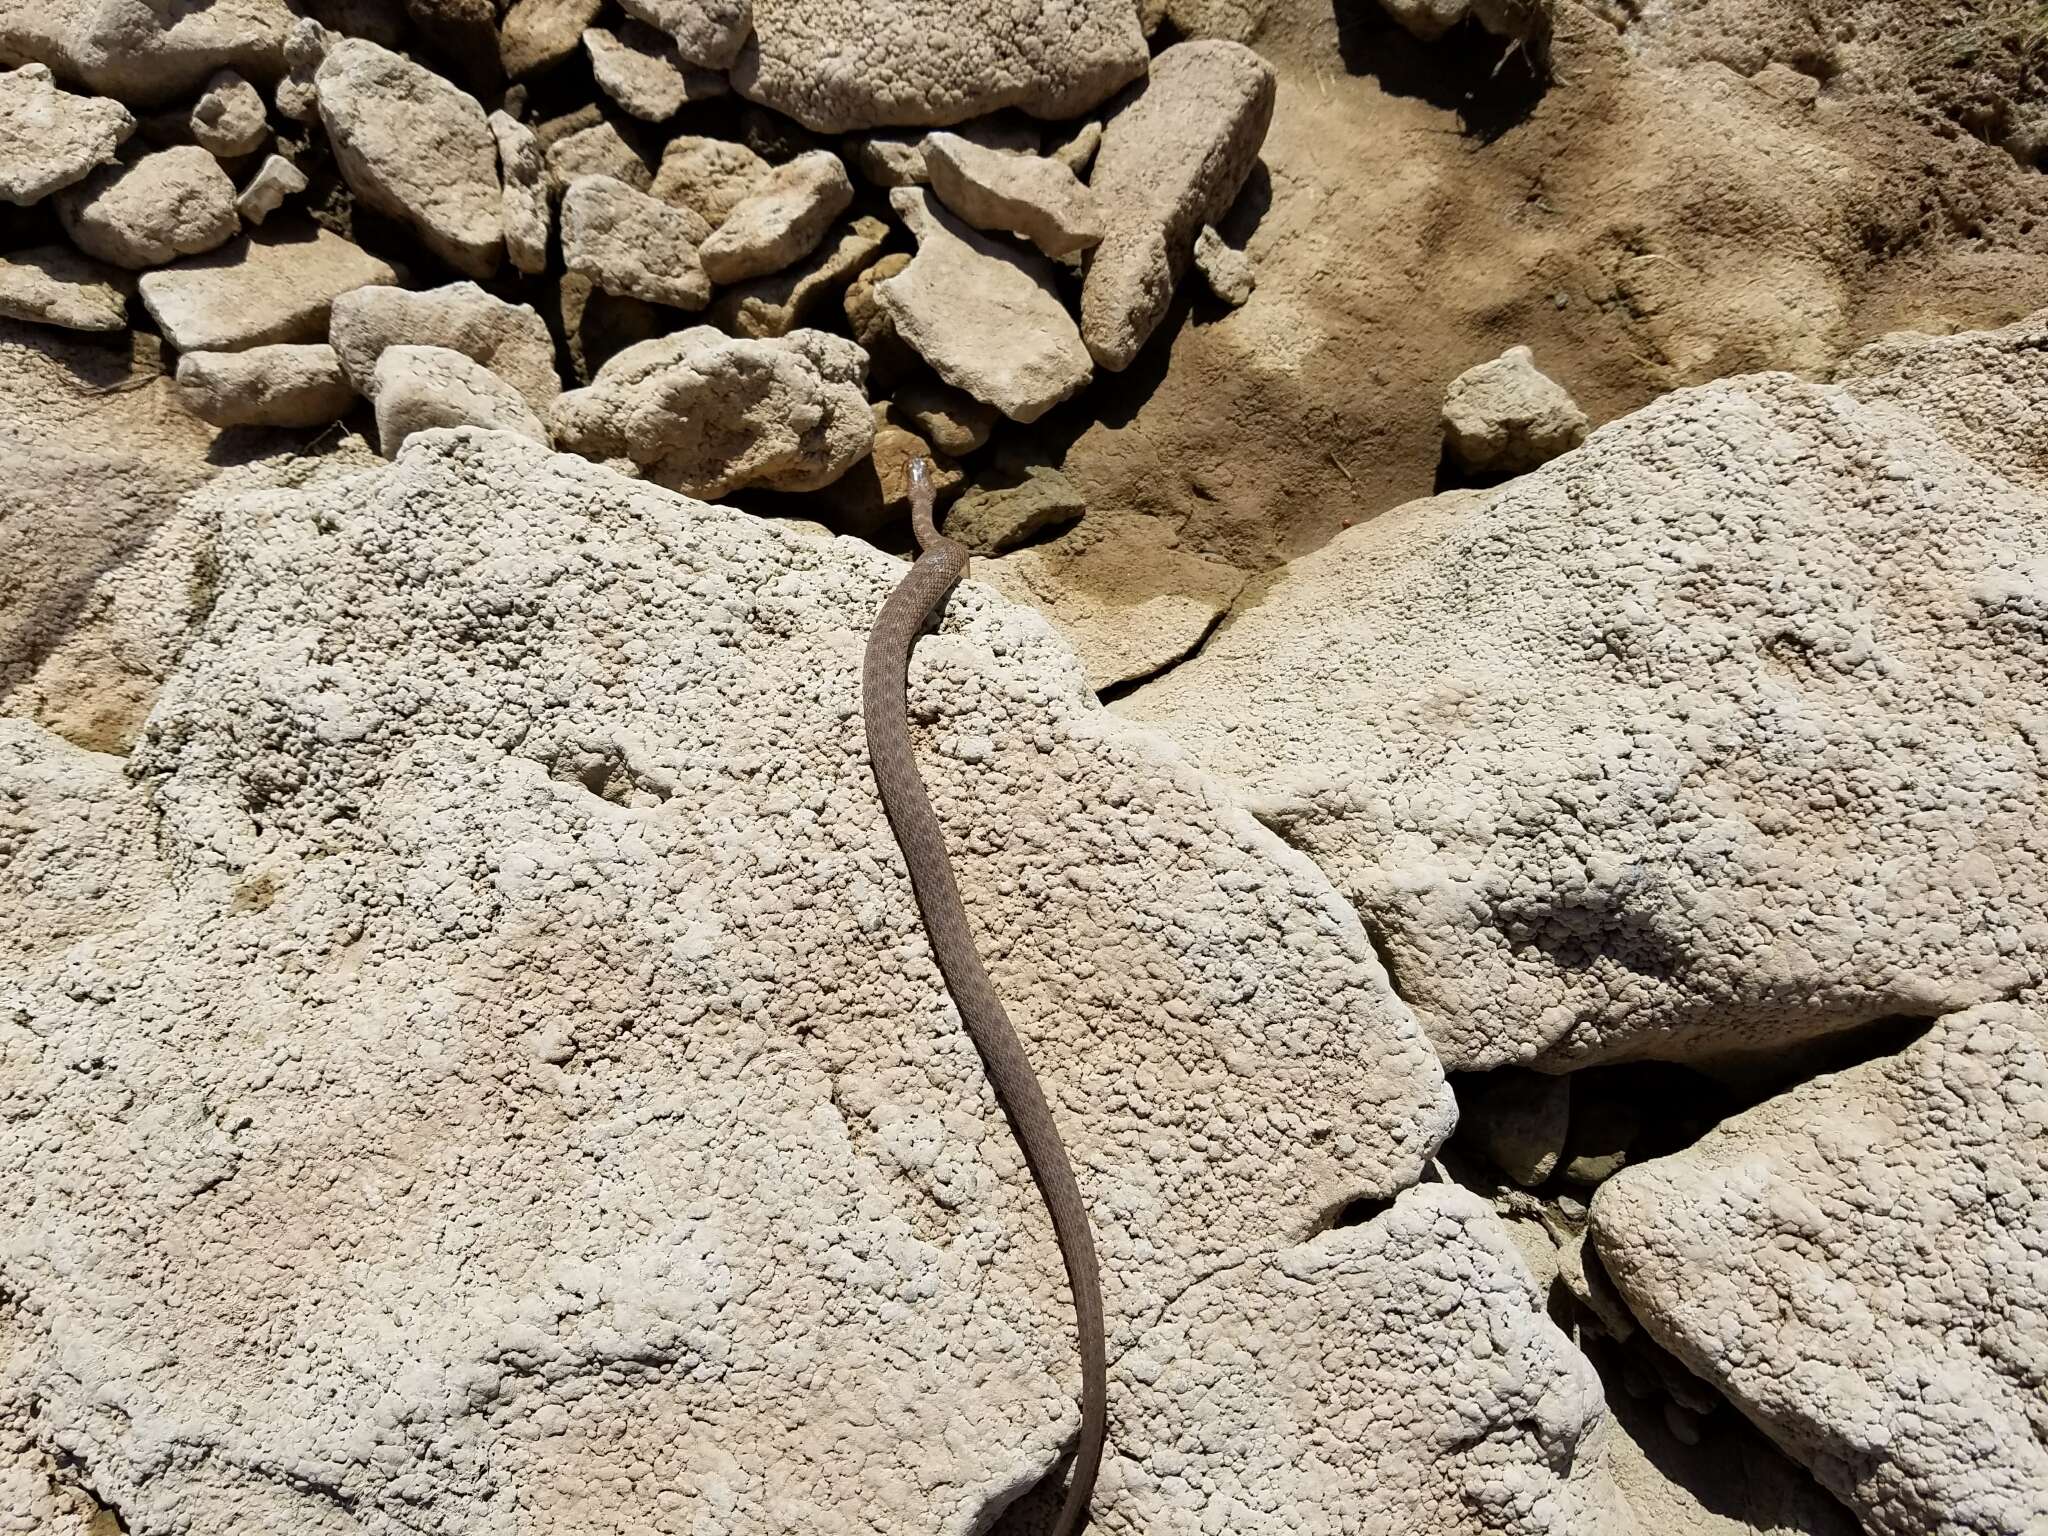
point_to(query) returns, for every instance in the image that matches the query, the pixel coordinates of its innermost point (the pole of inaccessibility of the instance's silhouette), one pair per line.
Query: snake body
(885, 709)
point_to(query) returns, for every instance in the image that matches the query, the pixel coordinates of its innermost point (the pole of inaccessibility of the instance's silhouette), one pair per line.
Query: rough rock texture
(176, 202)
(777, 304)
(1427, 20)
(54, 285)
(272, 182)
(285, 385)
(305, 45)
(537, 34)
(707, 33)
(1028, 195)
(229, 118)
(1507, 417)
(50, 138)
(638, 67)
(1227, 270)
(984, 315)
(710, 177)
(954, 420)
(598, 150)
(146, 53)
(587, 816)
(415, 388)
(835, 66)
(634, 245)
(992, 520)
(1857, 1264)
(1709, 737)
(1173, 158)
(524, 207)
(509, 339)
(897, 159)
(273, 285)
(703, 412)
(781, 220)
(417, 148)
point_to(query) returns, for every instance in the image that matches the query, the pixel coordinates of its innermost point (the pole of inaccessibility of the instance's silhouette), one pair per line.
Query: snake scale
(940, 564)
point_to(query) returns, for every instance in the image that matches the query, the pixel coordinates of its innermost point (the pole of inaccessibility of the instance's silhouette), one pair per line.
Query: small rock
(275, 180)
(285, 385)
(1227, 270)
(774, 137)
(1527, 22)
(710, 177)
(638, 67)
(599, 150)
(1516, 1120)
(539, 33)
(1782, 83)
(782, 221)
(1077, 152)
(890, 358)
(954, 420)
(229, 119)
(993, 520)
(51, 138)
(525, 204)
(705, 413)
(1506, 417)
(55, 285)
(1603, 1131)
(415, 147)
(511, 340)
(775, 305)
(175, 202)
(708, 33)
(415, 388)
(898, 159)
(1026, 195)
(876, 492)
(272, 285)
(986, 317)
(305, 45)
(633, 245)
(1427, 20)
(1173, 158)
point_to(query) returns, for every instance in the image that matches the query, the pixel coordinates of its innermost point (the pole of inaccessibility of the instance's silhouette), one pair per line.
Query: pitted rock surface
(708, 33)
(147, 53)
(50, 138)
(544, 1036)
(55, 285)
(509, 339)
(285, 385)
(277, 283)
(1861, 1266)
(1719, 733)
(175, 202)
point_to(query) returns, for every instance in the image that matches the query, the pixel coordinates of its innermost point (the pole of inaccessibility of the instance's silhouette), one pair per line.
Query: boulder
(984, 315)
(416, 148)
(274, 284)
(1227, 270)
(1856, 1265)
(50, 138)
(633, 245)
(415, 388)
(1173, 158)
(710, 177)
(175, 202)
(777, 304)
(283, 385)
(1507, 417)
(781, 221)
(898, 159)
(703, 412)
(708, 33)
(509, 339)
(1028, 195)
(1703, 740)
(539, 34)
(588, 816)
(954, 420)
(147, 53)
(995, 519)
(598, 150)
(272, 182)
(839, 65)
(524, 207)
(638, 67)
(54, 285)
(229, 119)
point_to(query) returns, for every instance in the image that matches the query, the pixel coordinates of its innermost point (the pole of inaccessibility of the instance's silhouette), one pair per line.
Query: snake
(907, 611)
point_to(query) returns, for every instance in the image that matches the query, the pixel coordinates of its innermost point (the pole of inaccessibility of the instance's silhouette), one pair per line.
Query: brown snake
(885, 708)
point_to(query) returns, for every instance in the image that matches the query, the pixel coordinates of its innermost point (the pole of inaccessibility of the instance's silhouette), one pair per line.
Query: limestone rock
(1427, 20)
(781, 221)
(498, 767)
(633, 245)
(839, 65)
(273, 181)
(777, 304)
(175, 202)
(54, 285)
(509, 339)
(147, 52)
(1227, 270)
(898, 159)
(1028, 195)
(284, 385)
(272, 285)
(305, 45)
(985, 316)
(954, 420)
(891, 362)
(708, 33)
(1077, 151)
(1507, 417)
(537, 34)
(229, 119)
(50, 138)
(415, 388)
(599, 150)
(416, 148)
(993, 520)
(524, 207)
(710, 177)
(1856, 1265)
(1526, 22)
(1173, 158)
(1705, 739)
(702, 412)
(638, 67)
(875, 492)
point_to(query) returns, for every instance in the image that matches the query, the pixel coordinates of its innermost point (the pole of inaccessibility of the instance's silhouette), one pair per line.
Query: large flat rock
(1719, 733)
(146, 52)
